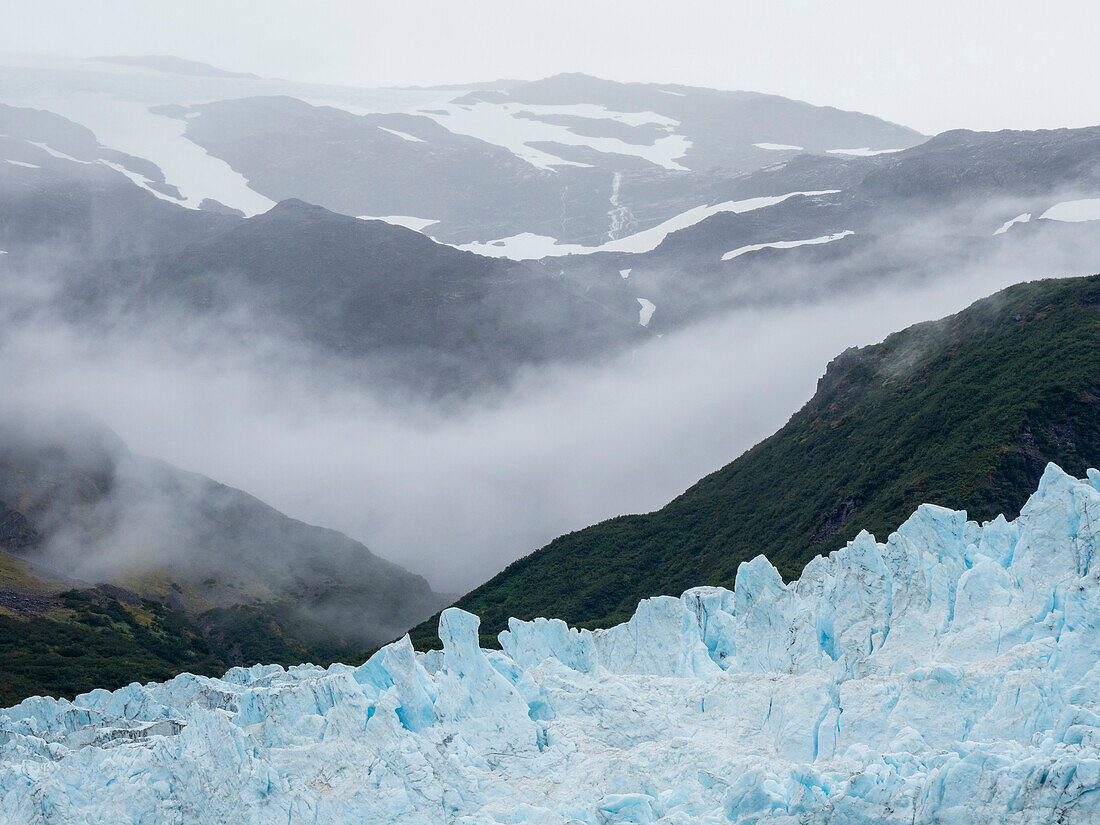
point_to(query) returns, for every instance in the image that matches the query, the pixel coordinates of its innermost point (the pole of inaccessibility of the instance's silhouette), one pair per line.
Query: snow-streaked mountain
(119, 241)
(948, 675)
(571, 157)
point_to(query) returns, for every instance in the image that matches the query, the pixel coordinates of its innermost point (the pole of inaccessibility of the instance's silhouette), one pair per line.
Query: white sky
(932, 64)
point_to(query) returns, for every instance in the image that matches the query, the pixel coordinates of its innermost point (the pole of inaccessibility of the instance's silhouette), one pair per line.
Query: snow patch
(403, 135)
(865, 152)
(625, 273)
(131, 128)
(140, 180)
(646, 311)
(23, 163)
(778, 147)
(650, 239)
(49, 150)
(528, 246)
(736, 253)
(1078, 211)
(407, 221)
(500, 125)
(1024, 218)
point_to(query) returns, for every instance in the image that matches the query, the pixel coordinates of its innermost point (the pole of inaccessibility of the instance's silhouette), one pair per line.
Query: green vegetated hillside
(117, 568)
(964, 412)
(62, 642)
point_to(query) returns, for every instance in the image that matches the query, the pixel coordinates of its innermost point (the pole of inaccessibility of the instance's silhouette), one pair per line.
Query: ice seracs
(949, 675)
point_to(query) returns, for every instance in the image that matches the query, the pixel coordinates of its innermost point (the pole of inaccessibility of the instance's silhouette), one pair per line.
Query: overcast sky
(933, 65)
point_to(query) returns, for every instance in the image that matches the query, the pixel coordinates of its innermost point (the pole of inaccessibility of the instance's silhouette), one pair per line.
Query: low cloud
(456, 493)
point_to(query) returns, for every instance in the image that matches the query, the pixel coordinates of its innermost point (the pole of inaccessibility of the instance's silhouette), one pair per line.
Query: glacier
(948, 675)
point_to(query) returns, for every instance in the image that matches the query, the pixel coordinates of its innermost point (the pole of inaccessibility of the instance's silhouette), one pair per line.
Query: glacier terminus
(948, 675)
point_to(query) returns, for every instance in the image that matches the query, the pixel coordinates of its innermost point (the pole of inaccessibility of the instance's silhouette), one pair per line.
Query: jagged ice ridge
(950, 675)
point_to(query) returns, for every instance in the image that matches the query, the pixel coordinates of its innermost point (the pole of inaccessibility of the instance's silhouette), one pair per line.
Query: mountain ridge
(965, 411)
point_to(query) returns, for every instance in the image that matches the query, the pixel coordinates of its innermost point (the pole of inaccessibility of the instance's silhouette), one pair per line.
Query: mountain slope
(101, 244)
(570, 157)
(172, 570)
(360, 289)
(943, 207)
(964, 412)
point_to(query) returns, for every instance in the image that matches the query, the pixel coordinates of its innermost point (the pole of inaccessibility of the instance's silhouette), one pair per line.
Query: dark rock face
(837, 519)
(17, 533)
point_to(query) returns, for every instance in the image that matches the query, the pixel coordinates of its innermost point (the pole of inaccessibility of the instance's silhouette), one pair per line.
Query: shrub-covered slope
(964, 412)
(116, 568)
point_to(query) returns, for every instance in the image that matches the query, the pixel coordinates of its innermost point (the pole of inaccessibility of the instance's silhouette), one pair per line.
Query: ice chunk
(948, 675)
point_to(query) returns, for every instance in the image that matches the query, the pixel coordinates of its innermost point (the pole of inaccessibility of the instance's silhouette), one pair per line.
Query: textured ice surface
(950, 675)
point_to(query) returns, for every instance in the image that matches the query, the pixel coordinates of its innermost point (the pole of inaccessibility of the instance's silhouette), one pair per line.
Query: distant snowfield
(778, 147)
(54, 153)
(528, 246)
(407, 221)
(1024, 218)
(1078, 211)
(865, 152)
(501, 125)
(140, 180)
(403, 135)
(646, 311)
(130, 127)
(756, 247)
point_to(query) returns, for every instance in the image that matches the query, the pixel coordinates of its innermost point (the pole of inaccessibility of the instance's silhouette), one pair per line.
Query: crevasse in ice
(950, 675)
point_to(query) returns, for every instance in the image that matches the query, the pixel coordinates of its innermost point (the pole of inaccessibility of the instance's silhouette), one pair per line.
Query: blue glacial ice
(950, 675)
